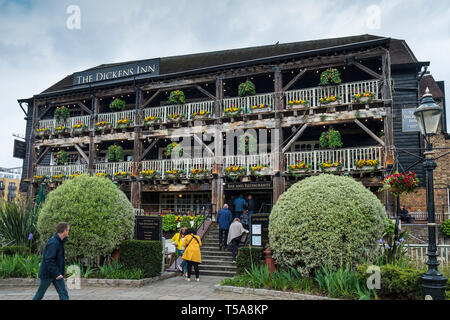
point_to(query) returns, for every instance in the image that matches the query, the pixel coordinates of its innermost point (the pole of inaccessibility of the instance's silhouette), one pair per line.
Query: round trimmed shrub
(325, 220)
(99, 214)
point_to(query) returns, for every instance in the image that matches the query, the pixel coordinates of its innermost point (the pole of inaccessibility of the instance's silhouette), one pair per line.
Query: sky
(43, 41)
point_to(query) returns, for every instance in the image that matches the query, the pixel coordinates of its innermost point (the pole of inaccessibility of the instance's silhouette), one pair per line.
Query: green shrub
(397, 282)
(115, 270)
(17, 221)
(19, 266)
(325, 220)
(445, 227)
(248, 256)
(142, 254)
(11, 250)
(99, 214)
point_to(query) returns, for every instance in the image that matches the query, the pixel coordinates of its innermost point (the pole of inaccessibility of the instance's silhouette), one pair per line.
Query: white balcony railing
(181, 164)
(67, 170)
(112, 167)
(246, 103)
(51, 124)
(113, 117)
(186, 109)
(247, 161)
(348, 157)
(345, 91)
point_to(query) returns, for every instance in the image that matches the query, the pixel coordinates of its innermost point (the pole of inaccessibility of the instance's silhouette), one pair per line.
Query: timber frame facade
(281, 74)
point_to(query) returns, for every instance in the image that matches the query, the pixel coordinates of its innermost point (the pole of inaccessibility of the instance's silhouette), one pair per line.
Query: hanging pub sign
(148, 228)
(409, 122)
(259, 230)
(135, 69)
(19, 149)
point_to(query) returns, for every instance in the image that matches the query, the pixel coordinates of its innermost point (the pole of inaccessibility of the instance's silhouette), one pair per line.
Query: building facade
(249, 121)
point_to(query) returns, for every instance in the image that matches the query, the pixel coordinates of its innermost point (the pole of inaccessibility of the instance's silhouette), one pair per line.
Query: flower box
(150, 121)
(201, 115)
(123, 123)
(150, 174)
(233, 111)
(39, 179)
(259, 170)
(102, 126)
(176, 118)
(200, 174)
(330, 166)
(101, 174)
(58, 178)
(78, 129)
(234, 172)
(260, 108)
(363, 97)
(298, 104)
(61, 130)
(366, 165)
(42, 132)
(121, 175)
(299, 168)
(330, 101)
(174, 174)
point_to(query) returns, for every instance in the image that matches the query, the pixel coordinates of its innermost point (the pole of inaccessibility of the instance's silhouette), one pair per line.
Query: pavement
(175, 288)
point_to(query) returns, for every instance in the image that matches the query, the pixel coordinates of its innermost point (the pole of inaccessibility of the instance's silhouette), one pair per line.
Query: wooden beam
(152, 144)
(196, 138)
(205, 92)
(367, 70)
(370, 133)
(82, 106)
(42, 155)
(81, 152)
(146, 103)
(295, 79)
(47, 109)
(294, 138)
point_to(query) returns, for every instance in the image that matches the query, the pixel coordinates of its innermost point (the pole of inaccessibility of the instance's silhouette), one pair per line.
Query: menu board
(259, 230)
(148, 228)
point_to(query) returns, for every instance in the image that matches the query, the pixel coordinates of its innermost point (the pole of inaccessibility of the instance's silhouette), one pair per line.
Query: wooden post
(219, 97)
(32, 159)
(95, 106)
(137, 152)
(277, 138)
(217, 189)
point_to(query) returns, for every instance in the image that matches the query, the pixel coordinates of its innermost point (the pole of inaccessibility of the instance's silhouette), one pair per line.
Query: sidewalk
(175, 288)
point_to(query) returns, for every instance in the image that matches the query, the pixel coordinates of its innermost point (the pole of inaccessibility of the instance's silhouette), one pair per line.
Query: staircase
(215, 262)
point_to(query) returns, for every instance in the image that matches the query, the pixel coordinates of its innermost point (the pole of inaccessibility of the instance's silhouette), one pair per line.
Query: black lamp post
(428, 115)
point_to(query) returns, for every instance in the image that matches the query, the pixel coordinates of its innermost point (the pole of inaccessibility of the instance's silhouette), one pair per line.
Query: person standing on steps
(239, 206)
(234, 236)
(192, 254)
(250, 205)
(177, 241)
(224, 219)
(53, 264)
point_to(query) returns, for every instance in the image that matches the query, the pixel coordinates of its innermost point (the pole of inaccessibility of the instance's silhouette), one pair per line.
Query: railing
(348, 157)
(52, 124)
(112, 167)
(345, 91)
(113, 117)
(181, 164)
(186, 109)
(247, 161)
(66, 170)
(418, 252)
(418, 217)
(246, 103)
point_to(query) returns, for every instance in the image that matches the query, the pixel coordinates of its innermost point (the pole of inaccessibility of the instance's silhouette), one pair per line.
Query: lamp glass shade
(428, 115)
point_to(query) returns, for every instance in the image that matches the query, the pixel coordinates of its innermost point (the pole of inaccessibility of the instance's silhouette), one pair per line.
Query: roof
(428, 81)
(400, 54)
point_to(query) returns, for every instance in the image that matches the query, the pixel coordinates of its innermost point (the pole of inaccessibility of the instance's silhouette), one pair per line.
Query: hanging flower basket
(367, 165)
(61, 113)
(61, 158)
(177, 97)
(260, 108)
(364, 97)
(78, 129)
(330, 77)
(234, 172)
(201, 115)
(259, 171)
(174, 147)
(401, 183)
(330, 139)
(246, 88)
(200, 174)
(174, 174)
(298, 104)
(150, 121)
(233, 111)
(117, 105)
(299, 168)
(330, 166)
(150, 174)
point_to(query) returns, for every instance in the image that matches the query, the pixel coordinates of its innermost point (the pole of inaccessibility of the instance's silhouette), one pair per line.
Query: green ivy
(445, 227)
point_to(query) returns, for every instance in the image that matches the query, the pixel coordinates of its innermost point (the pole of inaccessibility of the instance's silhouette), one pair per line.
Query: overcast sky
(37, 48)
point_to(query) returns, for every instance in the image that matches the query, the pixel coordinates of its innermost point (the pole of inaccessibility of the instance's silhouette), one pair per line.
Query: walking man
(53, 264)
(234, 236)
(224, 219)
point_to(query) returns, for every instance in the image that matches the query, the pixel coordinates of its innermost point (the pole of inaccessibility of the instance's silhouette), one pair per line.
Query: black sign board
(148, 228)
(248, 186)
(19, 149)
(135, 69)
(259, 229)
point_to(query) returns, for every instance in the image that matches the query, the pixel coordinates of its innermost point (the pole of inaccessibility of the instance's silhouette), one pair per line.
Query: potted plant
(401, 183)
(199, 174)
(246, 88)
(115, 153)
(121, 175)
(199, 115)
(363, 97)
(174, 147)
(330, 77)
(60, 130)
(42, 132)
(58, 178)
(329, 166)
(298, 104)
(61, 158)
(367, 164)
(330, 139)
(123, 123)
(101, 174)
(330, 100)
(259, 170)
(260, 108)
(78, 129)
(176, 117)
(177, 97)
(151, 120)
(102, 126)
(61, 113)
(234, 172)
(174, 174)
(39, 179)
(300, 167)
(117, 105)
(233, 111)
(149, 174)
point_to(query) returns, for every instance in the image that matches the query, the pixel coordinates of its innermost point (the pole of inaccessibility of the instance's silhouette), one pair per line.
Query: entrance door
(263, 199)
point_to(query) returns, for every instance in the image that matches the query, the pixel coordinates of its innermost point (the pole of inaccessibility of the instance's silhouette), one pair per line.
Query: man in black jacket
(53, 264)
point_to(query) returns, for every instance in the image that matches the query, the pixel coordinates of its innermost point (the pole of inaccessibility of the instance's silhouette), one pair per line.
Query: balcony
(66, 170)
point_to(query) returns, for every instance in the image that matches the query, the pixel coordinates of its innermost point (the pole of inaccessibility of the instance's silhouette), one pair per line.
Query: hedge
(142, 254)
(247, 255)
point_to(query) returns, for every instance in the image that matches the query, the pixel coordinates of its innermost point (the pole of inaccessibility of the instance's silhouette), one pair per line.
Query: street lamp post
(428, 115)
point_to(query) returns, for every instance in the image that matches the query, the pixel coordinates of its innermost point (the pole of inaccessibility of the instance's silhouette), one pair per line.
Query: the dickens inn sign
(135, 69)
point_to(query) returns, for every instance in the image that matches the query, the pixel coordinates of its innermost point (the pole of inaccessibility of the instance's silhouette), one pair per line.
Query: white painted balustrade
(184, 164)
(112, 167)
(248, 161)
(348, 157)
(113, 117)
(67, 170)
(246, 103)
(186, 110)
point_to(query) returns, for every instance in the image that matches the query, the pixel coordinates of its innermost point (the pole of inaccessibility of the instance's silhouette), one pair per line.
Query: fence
(418, 252)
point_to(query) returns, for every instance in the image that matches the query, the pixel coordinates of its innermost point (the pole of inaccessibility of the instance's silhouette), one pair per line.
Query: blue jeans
(183, 262)
(59, 285)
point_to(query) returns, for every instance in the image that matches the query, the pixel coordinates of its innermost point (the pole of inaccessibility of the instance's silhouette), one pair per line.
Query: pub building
(250, 121)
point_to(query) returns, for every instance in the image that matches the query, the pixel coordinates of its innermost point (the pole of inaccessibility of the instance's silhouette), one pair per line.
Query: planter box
(337, 102)
(366, 168)
(298, 106)
(233, 114)
(172, 176)
(201, 176)
(262, 110)
(299, 171)
(331, 169)
(78, 131)
(363, 100)
(203, 117)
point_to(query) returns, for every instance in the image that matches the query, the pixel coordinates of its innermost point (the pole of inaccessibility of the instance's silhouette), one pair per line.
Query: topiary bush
(445, 228)
(325, 220)
(99, 214)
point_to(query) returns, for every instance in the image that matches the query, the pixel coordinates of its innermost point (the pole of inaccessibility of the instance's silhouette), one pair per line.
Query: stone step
(215, 254)
(218, 262)
(216, 273)
(217, 268)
